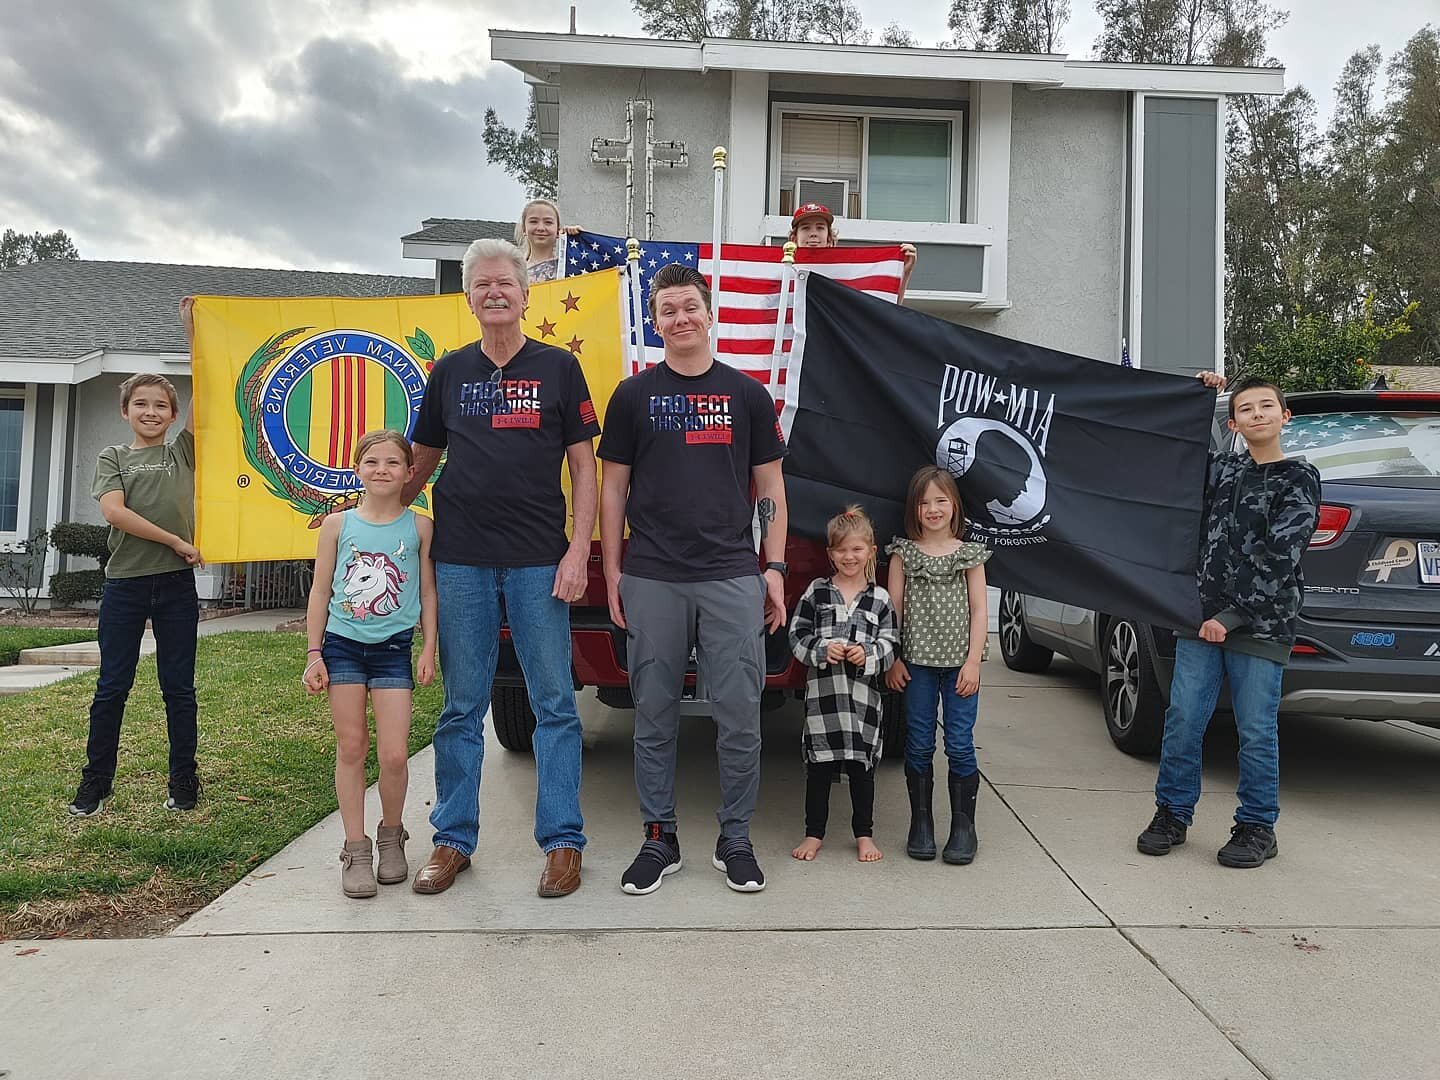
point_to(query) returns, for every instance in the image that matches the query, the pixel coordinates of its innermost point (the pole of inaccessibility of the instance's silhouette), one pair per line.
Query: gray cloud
(138, 145)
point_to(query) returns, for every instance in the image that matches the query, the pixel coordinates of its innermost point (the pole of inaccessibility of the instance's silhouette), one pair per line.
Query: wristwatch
(783, 569)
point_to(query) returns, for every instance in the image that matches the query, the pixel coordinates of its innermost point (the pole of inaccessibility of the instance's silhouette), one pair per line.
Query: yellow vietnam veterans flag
(285, 388)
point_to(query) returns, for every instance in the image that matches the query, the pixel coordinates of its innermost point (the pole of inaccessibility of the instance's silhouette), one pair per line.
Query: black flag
(1085, 477)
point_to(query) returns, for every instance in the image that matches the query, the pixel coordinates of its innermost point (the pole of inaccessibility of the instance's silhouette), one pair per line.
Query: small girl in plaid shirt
(846, 632)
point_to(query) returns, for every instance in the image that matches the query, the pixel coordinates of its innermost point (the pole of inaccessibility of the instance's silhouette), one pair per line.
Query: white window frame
(980, 170)
(27, 464)
(958, 149)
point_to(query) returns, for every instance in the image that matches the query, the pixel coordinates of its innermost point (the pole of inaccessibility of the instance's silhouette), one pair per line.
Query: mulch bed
(84, 619)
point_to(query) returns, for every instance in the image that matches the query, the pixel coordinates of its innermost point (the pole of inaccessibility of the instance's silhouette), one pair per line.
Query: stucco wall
(98, 424)
(692, 108)
(1066, 244)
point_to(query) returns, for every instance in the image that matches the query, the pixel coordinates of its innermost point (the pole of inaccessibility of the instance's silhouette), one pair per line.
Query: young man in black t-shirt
(509, 410)
(692, 449)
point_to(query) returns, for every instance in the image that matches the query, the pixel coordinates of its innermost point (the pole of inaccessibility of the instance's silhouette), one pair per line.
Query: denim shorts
(382, 665)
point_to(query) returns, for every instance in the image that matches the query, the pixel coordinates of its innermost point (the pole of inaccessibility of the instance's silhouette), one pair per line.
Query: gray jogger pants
(725, 622)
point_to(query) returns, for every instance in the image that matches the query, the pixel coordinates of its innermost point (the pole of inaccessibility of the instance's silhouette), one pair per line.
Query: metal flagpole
(629, 168)
(787, 281)
(632, 274)
(716, 232)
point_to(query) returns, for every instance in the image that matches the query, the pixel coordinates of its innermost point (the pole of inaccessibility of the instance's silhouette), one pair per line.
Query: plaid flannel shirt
(843, 702)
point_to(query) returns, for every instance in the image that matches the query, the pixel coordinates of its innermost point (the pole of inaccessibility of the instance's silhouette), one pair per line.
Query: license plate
(1427, 554)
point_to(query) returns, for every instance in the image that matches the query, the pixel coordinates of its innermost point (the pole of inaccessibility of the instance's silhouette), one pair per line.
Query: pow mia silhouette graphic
(992, 439)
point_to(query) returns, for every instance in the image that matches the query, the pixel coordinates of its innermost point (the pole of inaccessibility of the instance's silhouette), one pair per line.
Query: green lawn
(266, 760)
(15, 638)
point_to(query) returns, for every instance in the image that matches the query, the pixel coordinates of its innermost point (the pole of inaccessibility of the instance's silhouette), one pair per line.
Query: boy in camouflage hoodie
(1260, 510)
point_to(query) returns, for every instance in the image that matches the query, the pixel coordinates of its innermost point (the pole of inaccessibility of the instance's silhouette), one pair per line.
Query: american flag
(1344, 445)
(1125, 354)
(749, 285)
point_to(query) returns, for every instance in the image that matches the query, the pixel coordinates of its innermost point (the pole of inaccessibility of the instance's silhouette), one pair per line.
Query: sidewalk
(43, 666)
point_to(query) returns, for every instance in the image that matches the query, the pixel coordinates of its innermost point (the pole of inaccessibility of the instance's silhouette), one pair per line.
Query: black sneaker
(659, 856)
(1164, 832)
(736, 859)
(90, 798)
(1250, 845)
(184, 793)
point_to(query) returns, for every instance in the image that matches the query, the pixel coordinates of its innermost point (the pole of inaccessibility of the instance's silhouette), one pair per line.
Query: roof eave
(541, 55)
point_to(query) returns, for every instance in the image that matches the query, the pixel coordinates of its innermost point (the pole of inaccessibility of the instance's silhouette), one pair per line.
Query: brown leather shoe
(561, 876)
(438, 874)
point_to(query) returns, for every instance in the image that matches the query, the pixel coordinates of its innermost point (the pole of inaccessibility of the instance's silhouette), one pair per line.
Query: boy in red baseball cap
(813, 226)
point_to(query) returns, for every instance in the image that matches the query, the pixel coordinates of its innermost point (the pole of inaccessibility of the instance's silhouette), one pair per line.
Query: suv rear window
(1365, 443)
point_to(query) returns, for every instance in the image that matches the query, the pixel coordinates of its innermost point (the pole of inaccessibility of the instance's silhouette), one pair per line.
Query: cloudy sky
(313, 133)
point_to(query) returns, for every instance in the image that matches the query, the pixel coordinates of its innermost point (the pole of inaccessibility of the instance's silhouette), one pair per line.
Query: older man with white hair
(508, 409)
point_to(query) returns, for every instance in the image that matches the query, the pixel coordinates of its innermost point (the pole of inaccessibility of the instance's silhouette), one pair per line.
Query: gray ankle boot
(390, 846)
(357, 874)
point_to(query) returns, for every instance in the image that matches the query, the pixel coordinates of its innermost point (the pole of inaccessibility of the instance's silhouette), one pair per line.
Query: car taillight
(1333, 520)
(1300, 649)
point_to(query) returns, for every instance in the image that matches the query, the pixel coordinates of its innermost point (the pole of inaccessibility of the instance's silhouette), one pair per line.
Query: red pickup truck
(597, 649)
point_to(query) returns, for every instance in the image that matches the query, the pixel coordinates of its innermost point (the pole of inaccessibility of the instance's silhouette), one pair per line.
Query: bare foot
(808, 849)
(868, 852)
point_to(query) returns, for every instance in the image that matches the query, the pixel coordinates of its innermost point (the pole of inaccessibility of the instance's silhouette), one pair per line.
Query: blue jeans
(1255, 697)
(931, 692)
(169, 602)
(469, 648)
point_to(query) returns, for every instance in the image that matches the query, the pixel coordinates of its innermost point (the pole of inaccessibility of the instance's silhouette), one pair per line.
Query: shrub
(75, 538)
(1317, 352)
(73, 587)
(22, 570)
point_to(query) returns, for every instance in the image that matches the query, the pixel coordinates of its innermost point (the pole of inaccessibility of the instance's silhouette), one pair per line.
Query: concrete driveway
(1061, 952)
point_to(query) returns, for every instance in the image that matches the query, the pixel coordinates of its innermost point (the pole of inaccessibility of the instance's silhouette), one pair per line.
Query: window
(909, 170)
(12, 434)
(1362, 444)
(897, 167)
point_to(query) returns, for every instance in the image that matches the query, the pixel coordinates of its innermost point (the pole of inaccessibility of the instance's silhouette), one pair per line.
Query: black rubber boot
(920, 844)
(960, 848)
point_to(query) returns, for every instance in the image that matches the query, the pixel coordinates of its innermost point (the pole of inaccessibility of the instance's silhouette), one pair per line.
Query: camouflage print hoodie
(1259, 518)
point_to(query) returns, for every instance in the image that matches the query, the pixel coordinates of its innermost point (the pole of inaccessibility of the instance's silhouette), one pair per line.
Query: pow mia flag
(1085, 477)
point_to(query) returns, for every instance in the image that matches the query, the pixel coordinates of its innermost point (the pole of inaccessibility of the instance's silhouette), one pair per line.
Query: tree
(521, 154)
(1407, 191)
(843, 26)
(897, 37)
(1230, 32)
(1273, 199)
(685, 20)
(1354, 141)
(1318, 352)
(1026, 26)
(18, 249)
(835, 21)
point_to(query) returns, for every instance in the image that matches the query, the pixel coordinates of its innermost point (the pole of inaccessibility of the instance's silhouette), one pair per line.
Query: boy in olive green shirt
(146, 492)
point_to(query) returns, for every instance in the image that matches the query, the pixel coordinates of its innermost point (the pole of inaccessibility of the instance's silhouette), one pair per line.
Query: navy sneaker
(735, 858)
(90, 798)
(1250, 846)
(659, 857)
(1164, 832)
(184, 793)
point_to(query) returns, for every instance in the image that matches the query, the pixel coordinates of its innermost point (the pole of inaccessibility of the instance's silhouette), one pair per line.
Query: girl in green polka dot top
(937, 584)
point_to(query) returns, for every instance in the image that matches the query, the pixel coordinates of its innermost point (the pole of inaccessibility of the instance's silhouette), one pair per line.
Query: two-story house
(1074, 204)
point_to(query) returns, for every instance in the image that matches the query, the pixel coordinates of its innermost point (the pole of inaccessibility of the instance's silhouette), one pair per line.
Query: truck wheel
(1016, 648)
(1134, 705)
(892, 726)
(513, 720)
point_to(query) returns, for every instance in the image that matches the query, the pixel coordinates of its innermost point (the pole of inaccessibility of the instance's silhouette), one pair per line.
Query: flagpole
(632, 275)
(787, 279)
(719, 163)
